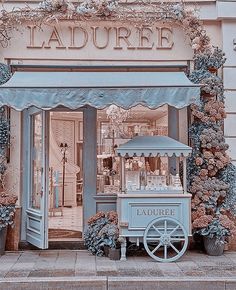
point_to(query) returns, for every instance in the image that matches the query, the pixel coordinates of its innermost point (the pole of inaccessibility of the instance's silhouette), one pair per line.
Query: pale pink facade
(103, 44)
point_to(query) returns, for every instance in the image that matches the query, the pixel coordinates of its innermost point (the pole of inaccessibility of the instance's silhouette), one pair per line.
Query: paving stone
(148, 267)
(46, 260)
(128, 268)
(85, 264)
(9, 257)
(187, 265)
(29, 256)
(14, 274)
(105, 266)
(205, 264)
(53, 264)
(66, 260)
(5, 268)
(170, 269)
(19, 266)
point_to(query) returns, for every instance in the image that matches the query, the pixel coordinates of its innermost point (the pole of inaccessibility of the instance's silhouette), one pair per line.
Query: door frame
(26, 174)
(89, 162)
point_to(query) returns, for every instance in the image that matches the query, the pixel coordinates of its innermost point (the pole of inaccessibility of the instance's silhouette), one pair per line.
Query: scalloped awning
(47, 90)
(153, 146)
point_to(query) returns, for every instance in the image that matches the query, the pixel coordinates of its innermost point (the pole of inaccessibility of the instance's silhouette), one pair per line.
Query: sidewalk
(66, 269)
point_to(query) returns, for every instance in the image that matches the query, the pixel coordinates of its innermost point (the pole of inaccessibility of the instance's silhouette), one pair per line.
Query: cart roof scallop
(153, 146)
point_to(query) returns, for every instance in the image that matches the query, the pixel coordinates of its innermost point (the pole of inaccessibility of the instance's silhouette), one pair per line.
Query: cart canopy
(153, 146)
(47, 90)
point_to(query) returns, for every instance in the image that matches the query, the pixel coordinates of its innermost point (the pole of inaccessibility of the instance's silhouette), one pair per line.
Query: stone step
(118, 283)
(63, 234)
(56, 245)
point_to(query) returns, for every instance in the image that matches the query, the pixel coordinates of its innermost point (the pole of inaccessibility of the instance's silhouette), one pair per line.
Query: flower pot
(3, 237)
(106, 250)
(213, 247)
(212, 70)
(114, 254)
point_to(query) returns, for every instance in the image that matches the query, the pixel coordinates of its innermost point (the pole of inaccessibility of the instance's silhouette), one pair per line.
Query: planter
(13, 233)
(213, 70)
(106, 251)
(114, 254)
(213, 247)
(3, 237)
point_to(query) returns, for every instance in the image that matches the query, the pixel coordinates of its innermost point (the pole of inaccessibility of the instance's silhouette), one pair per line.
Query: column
(89, 163)
(173, 132)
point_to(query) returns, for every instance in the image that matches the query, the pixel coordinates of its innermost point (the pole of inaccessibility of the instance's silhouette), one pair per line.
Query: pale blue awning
(73, 90)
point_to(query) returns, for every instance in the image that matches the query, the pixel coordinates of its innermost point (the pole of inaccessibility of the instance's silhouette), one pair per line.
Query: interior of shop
(115, 126)
(65, 175)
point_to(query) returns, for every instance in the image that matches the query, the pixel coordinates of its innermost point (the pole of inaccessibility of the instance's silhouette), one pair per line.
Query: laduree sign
(119, 37)
(98, 41)
(141, 214)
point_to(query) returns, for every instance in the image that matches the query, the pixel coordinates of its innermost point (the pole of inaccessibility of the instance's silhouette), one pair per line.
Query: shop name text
(155, 212)
(118, 38)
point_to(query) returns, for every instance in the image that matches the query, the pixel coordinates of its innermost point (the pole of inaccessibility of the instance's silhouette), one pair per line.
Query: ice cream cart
(154, 207)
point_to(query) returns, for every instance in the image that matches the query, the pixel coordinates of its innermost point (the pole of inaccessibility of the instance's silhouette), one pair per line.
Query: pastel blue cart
(158, 217)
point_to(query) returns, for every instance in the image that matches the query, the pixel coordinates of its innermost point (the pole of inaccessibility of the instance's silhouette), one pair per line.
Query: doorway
(65, 201)
(53, 176)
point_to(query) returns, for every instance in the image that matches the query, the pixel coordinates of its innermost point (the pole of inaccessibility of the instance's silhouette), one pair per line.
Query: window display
(140, 175)
(114, 131)
(145, 166)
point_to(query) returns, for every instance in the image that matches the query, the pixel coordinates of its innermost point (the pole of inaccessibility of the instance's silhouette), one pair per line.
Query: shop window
(117, 126)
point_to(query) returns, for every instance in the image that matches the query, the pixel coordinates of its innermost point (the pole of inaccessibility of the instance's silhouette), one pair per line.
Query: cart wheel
(165, 239)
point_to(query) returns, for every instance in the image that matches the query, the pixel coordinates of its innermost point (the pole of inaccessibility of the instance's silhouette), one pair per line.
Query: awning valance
(153, 146)
(73, 90)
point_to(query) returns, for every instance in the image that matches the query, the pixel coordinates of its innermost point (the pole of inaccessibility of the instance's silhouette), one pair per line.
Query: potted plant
(109, 235)
(7, 198)
(102, 233)
(7, 209)
(215, 233)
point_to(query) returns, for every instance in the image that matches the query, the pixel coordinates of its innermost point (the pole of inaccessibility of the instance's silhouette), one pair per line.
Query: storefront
(78, 91)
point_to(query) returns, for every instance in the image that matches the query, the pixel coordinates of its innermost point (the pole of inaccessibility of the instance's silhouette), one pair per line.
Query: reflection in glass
(137, 121)
(36, 161)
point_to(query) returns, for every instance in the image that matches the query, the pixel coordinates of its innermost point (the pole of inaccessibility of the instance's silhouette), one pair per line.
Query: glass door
(37, 202)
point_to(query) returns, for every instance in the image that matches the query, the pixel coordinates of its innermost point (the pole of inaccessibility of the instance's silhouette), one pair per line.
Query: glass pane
(117, 126)
(36, 161)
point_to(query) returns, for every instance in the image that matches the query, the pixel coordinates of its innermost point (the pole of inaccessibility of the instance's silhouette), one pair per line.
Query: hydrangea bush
(102, 231)
(210, 172)
(7, 199)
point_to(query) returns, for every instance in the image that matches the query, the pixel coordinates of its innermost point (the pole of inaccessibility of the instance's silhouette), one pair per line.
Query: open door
(37, 202)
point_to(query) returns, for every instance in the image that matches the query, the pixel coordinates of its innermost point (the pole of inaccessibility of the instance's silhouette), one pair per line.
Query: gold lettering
(125, 37)
(32, 35)
(55, 37)
(95, 28)
(144, 39)
(165, 37)
(72, 38)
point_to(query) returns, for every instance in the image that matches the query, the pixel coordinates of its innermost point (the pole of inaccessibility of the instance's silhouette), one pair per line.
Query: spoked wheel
(165, 239)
